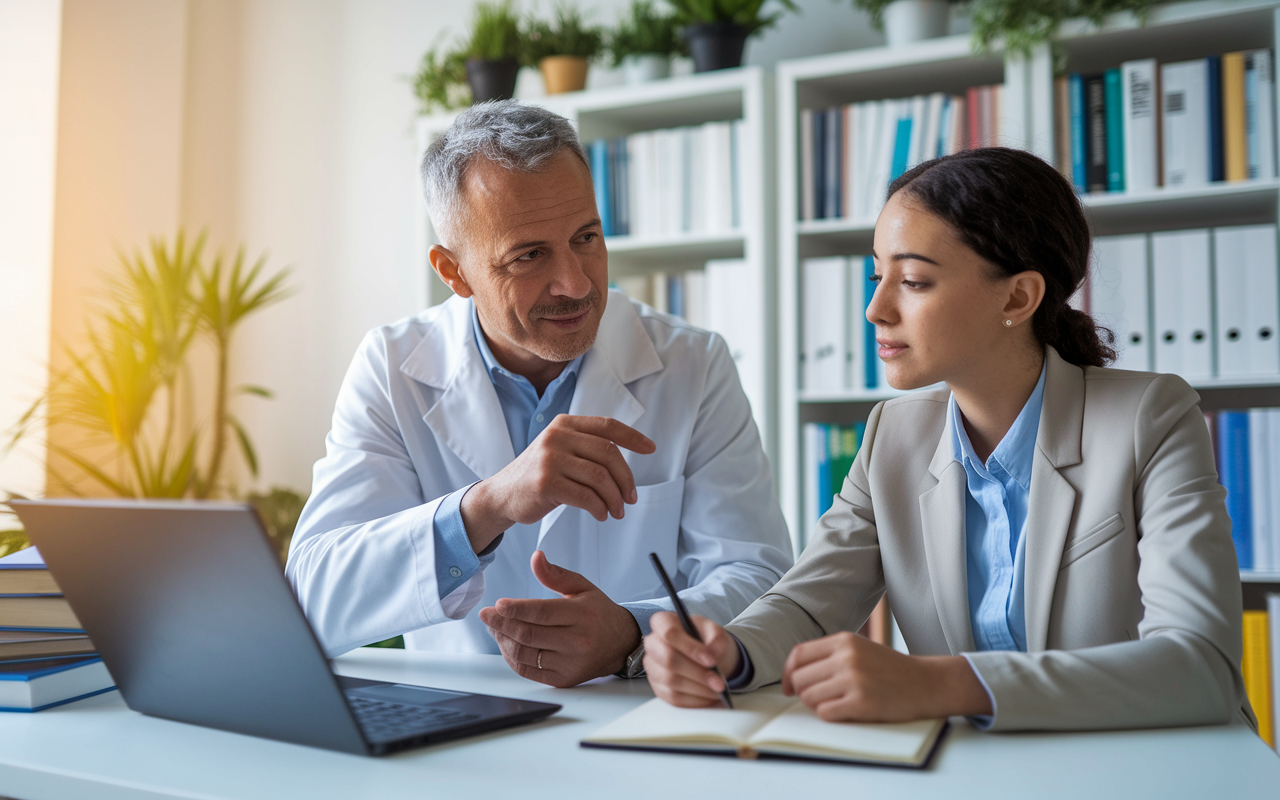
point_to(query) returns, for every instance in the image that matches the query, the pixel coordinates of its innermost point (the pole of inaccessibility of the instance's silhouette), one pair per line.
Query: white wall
(285, 125)
(30, 34)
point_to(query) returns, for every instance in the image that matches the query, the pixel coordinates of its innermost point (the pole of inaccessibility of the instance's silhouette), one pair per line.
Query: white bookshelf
(744, 93)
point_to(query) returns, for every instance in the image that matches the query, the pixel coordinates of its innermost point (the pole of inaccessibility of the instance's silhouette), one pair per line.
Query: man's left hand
(574, 638)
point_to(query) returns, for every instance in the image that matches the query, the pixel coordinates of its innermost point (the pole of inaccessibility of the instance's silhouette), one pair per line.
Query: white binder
(1119, 297)
(1263, 299)
(1231, 301)
(857, 305)
(1180, 277)
(735, 307)
(825, 323)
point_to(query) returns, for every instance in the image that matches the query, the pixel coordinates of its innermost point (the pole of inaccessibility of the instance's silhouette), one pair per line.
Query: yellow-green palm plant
(137, 350)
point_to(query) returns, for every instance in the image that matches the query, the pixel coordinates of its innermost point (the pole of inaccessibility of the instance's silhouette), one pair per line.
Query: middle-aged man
(529, 442)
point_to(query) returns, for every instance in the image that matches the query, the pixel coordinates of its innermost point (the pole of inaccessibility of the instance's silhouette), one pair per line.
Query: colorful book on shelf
(1255, 668)
(1095, 97)
(37, 685)
(1141, 151)
(1114, 101)
(1259, 114)
(1213, 84)
(1235, 144)
(766, 724)
(1079, 130)
(1233, 469)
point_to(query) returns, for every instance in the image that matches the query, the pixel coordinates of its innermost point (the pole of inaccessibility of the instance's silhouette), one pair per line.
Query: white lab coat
(417, 418)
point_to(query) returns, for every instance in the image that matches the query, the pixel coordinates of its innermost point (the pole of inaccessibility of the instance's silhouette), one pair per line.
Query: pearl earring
(1008, 323)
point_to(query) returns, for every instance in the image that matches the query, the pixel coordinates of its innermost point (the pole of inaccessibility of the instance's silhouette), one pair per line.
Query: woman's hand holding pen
(681, 669)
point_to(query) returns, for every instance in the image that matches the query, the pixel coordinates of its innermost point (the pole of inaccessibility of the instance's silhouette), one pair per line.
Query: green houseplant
(440, 83)
(905, 21)
(120, 395)
(494, 51)
(562, 47)
(716, 31)
(643, 42)
(1020, 25)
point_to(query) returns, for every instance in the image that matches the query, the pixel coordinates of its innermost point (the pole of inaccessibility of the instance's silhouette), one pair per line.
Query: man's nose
(570, 278)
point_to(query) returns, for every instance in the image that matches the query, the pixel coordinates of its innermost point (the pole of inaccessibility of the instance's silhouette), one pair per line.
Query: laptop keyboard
(384, 721)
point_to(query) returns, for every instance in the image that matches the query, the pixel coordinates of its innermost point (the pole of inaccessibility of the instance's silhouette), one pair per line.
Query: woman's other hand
(846, 677)
(680, 668)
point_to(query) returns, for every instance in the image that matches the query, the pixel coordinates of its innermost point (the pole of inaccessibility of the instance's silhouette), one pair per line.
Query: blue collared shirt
(995, 519)
(527, 415)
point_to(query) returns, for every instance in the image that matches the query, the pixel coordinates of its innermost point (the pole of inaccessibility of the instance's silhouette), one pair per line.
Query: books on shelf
(838, 344)
(850, 154)
(40, 684)
(1190, 123)
(1258, 665)
(22, 645)
(829, 451)
(727, 297)
(765, 723)
(1247, 445)
(1201, 303)
(665, 182)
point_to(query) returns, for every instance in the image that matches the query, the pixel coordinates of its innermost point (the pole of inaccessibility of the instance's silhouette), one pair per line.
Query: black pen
(684, 618)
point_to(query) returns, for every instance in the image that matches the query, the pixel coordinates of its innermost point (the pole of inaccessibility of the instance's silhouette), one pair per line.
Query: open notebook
(767, 723)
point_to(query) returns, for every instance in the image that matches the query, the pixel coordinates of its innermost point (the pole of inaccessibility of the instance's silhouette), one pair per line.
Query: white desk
(97, 748)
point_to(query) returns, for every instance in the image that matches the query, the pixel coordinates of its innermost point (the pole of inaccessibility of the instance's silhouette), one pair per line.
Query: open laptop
(197, 623)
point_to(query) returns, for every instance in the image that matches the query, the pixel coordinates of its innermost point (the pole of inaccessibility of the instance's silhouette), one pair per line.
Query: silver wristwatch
(635, 664)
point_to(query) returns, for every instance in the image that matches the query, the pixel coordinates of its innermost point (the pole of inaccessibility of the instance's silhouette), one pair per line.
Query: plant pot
(492, 80)
(645, 68)
(907, 21)
(563, 73)
(715, 45)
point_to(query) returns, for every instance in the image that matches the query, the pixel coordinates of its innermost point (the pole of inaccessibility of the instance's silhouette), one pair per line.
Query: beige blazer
(1133, 598)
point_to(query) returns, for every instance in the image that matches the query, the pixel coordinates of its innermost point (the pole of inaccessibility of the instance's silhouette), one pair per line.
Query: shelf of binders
(683, 173)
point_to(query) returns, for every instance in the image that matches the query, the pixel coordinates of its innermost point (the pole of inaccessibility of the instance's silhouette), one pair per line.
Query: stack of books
(829, 454)
(46, 659)
(1246, 444)
(1186, 124)
(850, 154)
(668, 182)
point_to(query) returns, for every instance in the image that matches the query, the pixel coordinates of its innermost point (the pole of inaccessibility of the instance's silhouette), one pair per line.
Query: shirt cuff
(642, 612)
(456, 562)
(982, 722)
(746, 670)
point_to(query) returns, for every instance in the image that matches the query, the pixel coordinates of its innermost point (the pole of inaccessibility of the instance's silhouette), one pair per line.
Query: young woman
(1051, 534)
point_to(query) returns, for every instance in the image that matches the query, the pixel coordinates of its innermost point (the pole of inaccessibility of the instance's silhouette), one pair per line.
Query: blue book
(675, 295)
(37, 685)
(1233, 467)
(1213, 79)
(835, 171)
(824, 471)
(901, 148)
(1075, 96)
(1115, 131)
(820, 165)
(600, 178)
(869, 361)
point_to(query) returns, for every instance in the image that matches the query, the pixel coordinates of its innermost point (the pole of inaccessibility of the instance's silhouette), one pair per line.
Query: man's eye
(589, 237)
(530, 256)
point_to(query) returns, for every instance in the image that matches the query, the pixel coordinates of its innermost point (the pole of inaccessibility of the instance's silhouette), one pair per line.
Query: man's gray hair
(518, 137)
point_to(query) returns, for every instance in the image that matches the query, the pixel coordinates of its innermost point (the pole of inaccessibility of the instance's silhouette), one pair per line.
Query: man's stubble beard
(564, 350)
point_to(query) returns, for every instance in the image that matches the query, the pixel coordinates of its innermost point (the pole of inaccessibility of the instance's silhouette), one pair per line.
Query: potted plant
(716, 31)
(1020, 25)
(643, 42)
(906, 21)
(441, 81)
(562, 47)
(492, 54)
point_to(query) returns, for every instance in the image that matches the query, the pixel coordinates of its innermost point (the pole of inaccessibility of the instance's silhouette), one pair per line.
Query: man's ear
(446, 265)
(1026, 292)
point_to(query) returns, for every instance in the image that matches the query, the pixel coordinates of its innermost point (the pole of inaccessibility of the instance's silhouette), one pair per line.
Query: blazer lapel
(942, 526)
(467, 418)
(1052, 500)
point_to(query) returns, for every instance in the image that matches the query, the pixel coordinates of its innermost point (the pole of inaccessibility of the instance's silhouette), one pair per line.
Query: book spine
(1235, 147)
(1095, 94)
(1233, 449)
(1255, 668)
(1273, 637)
(974, 104)
(1079, 133)
(1264, 114)
(807, 209)
(834, 139)
(901, 147)
(600, 178)
(1141, 140)
(1260, 486)
(1062, 125)
(820, 165)
(1251, 115)
(1115, 130)
(1213, 84)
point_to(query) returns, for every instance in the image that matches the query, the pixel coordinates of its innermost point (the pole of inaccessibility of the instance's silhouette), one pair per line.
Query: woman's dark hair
(1019, 213)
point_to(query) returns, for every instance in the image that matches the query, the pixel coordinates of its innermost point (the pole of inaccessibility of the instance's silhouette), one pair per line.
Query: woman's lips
(889, 349)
